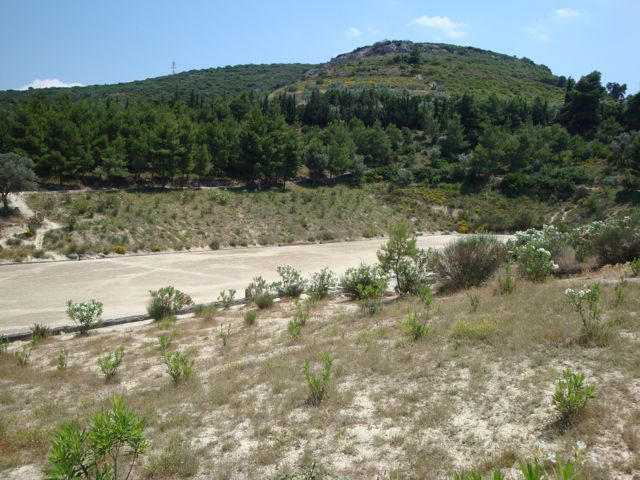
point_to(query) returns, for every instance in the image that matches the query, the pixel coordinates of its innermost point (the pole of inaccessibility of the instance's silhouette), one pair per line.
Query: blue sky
(95, 42)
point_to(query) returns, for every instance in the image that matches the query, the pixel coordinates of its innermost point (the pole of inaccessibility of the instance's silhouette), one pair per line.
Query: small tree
(16, 175)
(400, 249)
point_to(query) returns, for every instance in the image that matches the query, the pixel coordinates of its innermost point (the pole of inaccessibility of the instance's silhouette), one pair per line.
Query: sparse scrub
(474, 330)
(86, 315)
(166, 301)
(179, 367)
(226, 297)
(291, 284)
(321, 283)
(110, 362)
(318, 386)
(176, 460)
(470, 261)
(206, 312)
(301, 312)
(107, 449)
(571, 395)
(295, 329)
(4, 344)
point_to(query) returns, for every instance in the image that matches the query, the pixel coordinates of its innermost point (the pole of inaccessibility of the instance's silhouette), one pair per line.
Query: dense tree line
(534, 145)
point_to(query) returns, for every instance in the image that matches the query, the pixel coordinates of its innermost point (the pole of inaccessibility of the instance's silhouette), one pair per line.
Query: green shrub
(318, 385)
(4, 344)
(619, 291)
(226, 297)
(534, 263)
(263, 300)
(260, 293)
(167, 301)
(295, 329)
(107, 449)
(224, 335)
(635, 267)
(470, 261)
(250, 317)
(291, 284)
(321, 283)
(474, 300)
(22, 355)
(206, 312)
(164, 342)
(356, 280)
(119, 249)
(414, 325)
(86, 315)
(301, 313)
(618, 241)
(571, 394)
(179, 366)
(369, 296)
(110, 362)
(585, 302)
(61, 361)
(39, 332)
(506, 282)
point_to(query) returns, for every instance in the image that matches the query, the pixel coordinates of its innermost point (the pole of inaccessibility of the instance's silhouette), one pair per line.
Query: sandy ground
(38, 292)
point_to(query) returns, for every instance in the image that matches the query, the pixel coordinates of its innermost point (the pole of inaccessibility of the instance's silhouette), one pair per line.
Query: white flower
(551, 457)
(580, 445)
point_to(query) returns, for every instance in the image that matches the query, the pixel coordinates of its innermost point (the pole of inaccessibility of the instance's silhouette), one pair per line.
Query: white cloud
(353, 32)
(444, 24)
(565, 14)
(49, 83)
(539, 32)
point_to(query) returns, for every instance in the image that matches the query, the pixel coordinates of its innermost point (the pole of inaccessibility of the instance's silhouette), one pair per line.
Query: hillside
(430, 68)
(224, 81)
(440, 69)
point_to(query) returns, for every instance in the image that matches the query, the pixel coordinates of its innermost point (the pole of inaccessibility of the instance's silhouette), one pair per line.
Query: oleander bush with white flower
(585, 303)
(86, 315)
(534, 263)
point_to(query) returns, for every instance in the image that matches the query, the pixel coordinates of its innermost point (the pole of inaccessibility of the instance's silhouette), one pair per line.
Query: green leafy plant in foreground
(107, 449)
(572, 394)
(318, 385)
(110, 362)
(474, 301)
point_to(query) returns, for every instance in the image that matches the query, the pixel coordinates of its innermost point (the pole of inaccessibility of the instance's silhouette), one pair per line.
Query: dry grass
(475, 393)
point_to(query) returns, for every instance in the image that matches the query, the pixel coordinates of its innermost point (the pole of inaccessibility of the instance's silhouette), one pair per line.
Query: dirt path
(17, 200)
(37, 292)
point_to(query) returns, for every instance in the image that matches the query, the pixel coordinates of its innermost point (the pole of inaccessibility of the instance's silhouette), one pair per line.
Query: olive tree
(16, 175)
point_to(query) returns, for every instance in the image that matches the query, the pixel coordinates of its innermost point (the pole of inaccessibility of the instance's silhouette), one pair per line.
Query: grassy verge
(474, 393)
